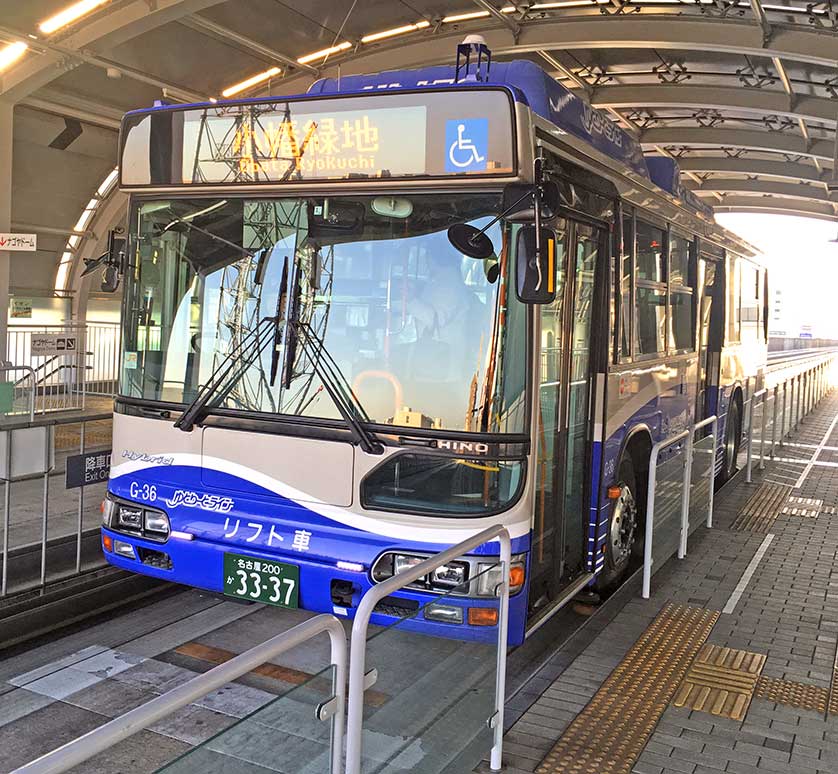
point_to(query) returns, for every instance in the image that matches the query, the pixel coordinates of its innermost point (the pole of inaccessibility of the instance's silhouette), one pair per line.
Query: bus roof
(545, 96)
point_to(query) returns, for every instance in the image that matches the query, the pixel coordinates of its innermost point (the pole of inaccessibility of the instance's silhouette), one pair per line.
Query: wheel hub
(623, 525)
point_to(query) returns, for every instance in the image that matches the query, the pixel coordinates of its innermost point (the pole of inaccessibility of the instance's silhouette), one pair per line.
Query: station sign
(20, 308)
(88, 468)
(19, 243)
(52, 344)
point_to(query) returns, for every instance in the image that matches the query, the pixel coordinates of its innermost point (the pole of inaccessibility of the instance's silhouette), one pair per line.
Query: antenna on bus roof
(474, 46)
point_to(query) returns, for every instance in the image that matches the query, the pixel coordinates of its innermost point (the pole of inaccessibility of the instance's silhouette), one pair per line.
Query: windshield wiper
(222, 240)
(238, 360)
(339, 390)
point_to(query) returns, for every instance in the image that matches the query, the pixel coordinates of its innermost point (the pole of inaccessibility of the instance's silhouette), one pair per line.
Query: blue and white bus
(347, 345)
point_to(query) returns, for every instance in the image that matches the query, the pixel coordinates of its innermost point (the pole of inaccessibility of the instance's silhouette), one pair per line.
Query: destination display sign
(340, 138)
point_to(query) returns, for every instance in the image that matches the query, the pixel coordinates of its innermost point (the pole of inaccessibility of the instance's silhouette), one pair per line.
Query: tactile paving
(609, 734)
(762, 509)
(800, 695)
(808, 507)
(721, 682)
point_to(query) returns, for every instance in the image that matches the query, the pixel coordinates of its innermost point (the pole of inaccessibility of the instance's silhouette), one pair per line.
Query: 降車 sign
(89, 468)
(54, 343)
(19, 243)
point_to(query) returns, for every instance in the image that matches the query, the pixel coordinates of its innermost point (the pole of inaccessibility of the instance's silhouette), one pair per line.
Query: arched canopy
(744, 94)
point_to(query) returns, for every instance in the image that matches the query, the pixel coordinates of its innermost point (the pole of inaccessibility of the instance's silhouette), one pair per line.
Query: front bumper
(200, 563)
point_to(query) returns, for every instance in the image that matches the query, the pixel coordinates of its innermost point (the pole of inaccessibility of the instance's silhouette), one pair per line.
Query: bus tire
(623, 529)
(733, 440)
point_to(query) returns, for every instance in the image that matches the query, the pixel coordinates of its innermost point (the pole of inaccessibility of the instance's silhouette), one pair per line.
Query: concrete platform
(756, 690)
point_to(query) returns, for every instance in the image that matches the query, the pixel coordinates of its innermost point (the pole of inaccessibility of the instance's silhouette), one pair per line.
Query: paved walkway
(730, 665)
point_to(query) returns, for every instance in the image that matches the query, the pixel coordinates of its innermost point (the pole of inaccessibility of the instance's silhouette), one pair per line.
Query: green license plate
(271, 582)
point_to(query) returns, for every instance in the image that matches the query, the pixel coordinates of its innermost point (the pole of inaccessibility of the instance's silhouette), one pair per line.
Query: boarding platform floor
(730, 666)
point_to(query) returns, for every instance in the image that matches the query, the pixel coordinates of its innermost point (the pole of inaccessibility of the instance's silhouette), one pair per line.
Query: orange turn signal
(516, 576)
(107, 542)
(482, 616)
(614, 492)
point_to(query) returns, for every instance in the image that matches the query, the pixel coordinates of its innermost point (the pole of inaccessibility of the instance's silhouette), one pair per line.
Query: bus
(362, 324)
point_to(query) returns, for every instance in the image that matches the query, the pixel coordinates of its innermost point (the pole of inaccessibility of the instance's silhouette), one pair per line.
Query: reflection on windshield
(415, 329)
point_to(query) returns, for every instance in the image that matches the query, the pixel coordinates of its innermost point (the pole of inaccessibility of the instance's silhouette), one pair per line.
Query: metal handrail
(357, 664)
(650, 504)
(100, 739)
(31, 371)
(762, 393)
(711, 474)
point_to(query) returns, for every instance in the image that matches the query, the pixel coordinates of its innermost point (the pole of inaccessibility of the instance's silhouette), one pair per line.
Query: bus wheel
(733, 438)
(622, 530)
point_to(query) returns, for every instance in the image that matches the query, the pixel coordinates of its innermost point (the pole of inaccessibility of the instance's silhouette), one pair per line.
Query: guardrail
(787, 402)
(358, 677)
(801, 391)
(28, 452)
(103, 738)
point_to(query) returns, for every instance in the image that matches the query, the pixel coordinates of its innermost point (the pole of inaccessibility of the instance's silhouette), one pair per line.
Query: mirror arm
(503, 214)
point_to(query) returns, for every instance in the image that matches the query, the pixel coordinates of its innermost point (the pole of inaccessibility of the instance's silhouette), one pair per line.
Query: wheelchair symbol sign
(466, 144)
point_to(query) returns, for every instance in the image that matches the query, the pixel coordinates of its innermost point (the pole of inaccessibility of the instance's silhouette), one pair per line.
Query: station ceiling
(743, 92)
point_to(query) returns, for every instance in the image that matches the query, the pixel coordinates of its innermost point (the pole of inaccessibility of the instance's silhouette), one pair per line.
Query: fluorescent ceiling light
(420, 25)
(325, 52)
(69, 15)
(458, 17)
(258, 78)
(11, 53)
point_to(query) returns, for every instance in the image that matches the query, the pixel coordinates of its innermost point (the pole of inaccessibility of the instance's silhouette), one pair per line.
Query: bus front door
(563, 442)
(710, 332)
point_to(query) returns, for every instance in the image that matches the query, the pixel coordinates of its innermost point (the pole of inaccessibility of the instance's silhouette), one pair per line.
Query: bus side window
(650, 290)
(734, 300)
(750, 292)
(625, 274)
(681, 293)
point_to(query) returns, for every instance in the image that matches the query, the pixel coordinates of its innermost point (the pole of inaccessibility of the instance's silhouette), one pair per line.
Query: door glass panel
(576, 462)
(546, 510)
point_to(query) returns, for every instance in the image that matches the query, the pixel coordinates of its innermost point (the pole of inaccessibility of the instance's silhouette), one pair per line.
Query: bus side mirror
(535, 264)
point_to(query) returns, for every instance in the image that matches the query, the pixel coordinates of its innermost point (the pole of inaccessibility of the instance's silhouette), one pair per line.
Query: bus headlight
(450, 576)
(404, 562)
(157, 522)
(129, 517)
(490, 577)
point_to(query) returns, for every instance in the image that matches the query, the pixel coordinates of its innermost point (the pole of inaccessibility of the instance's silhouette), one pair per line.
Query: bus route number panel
(257, 580)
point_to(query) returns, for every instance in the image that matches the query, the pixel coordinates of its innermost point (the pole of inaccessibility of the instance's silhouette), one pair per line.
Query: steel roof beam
(104, 32)
(504, 19)
(773, 188)
(776, 205)
(786, 170)
(723, 98)
(243, 43)
(662, 31)
(747, 139)
(65, 106)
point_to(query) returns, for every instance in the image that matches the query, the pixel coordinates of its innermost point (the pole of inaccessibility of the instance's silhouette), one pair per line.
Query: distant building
(407, 417)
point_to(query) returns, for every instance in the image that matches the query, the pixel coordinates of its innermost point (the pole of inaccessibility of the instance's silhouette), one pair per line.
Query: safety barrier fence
(404, 708)
(68, 361)
(670, 494)
(682, 467)
(48, 538)
(778, 410)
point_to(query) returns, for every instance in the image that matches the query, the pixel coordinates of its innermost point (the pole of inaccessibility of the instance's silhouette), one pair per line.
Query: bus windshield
(421, 335)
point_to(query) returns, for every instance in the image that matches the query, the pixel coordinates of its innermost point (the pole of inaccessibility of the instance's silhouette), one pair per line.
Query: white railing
(64, 379)
(105, 737)
(358, 677)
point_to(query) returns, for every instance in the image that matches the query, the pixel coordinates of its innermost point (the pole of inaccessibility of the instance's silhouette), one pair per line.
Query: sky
(801, 261)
